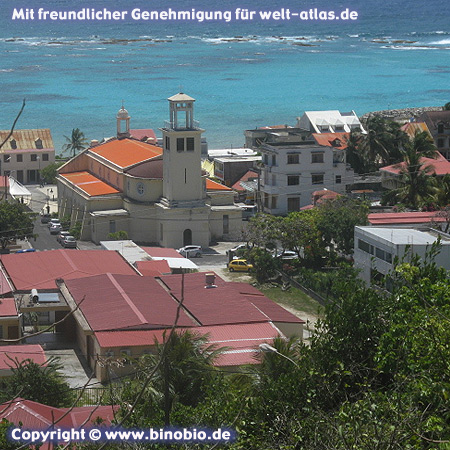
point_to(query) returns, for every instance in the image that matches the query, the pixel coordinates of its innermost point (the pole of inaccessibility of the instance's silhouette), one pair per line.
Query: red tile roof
(438, 166)
(113, 302)
(160, 252)
(327, 139)
(7, 307)
(126, 152)
(9, 354)
(213, 186)
(228, 303)
(39, 270)
(404, 218)
(153, 268)
(89, 183)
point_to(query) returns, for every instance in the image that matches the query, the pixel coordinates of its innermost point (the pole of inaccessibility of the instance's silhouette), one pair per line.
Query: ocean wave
(442, 42)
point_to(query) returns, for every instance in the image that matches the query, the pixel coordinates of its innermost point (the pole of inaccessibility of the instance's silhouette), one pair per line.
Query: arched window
(187, 237)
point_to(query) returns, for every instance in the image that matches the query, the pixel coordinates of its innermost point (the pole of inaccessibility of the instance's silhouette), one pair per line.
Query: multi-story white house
(377, 248)
(291, 173)
(330, 122)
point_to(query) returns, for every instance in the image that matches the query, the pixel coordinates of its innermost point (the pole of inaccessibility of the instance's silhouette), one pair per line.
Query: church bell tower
(183, 183)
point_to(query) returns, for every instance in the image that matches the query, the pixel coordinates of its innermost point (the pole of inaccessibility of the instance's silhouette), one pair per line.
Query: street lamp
(266, 348)
(39, 171)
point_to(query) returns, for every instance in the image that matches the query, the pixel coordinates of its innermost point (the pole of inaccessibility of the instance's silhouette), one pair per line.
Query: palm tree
(417, 185)
(382, 143)
(184, 366)
(75, 143)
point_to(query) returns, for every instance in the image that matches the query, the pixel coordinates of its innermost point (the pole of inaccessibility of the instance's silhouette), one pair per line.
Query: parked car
(287, 255)
(69, 242)
(61, 236)
(52, 222)
(55, 228)
(190, 251)
(45, 218)
(240, 265)
(236, 248)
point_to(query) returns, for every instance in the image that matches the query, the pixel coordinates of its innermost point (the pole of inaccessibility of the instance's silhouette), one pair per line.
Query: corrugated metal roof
(275, 312)
(161, 252)
(26, 139)
(404, 217)
(11, 353)
(126, 152)
(36, 416)
(235, 337)
(228, 303)
(89, 183)
(39, 270)
(7, 307)
(114, 302)
(153, 268)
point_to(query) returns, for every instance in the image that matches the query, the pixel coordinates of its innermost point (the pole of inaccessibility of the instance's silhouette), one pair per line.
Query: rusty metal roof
(26, 139)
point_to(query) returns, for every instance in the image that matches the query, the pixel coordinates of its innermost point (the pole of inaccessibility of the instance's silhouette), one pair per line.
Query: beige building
(26, 153)
(157, 195)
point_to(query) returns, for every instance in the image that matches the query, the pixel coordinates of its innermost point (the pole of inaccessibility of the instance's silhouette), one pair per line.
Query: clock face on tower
(140, 188)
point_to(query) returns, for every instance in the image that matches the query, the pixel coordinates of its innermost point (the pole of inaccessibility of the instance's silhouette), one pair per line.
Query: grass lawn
(295, 299)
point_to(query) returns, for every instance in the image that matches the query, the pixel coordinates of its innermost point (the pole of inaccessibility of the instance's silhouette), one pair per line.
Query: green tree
(337, 218)
(263, 231)
(381, 145)
(447, 106)
(354, 153)
(299, 232)
(264, 264)
(416, 183)
(183, 368)
(48, 173)
(118, 236)
(15, 223)
(41, 384)
(75, 143)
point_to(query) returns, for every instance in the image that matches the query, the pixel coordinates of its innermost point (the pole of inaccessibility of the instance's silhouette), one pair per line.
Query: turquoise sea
(243, 74)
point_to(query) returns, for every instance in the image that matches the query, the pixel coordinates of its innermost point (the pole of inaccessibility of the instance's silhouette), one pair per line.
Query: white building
(291, 173)
(330, 122)
(157, 195)
(376, 248)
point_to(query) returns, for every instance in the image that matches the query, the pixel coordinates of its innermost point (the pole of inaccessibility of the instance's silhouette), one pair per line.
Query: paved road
(41, 199)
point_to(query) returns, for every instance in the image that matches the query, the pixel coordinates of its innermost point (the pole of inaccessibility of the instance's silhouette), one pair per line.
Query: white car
(236, 248)
(287, 255)
(190, 251)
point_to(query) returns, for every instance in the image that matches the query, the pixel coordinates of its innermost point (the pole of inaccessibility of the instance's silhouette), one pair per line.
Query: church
(158, 195)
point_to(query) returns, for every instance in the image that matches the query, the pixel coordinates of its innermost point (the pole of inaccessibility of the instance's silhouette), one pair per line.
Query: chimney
(94, 142)
(209, 280)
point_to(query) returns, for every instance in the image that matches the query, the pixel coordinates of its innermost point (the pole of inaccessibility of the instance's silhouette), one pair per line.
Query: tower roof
(180, 97)
(123, 113)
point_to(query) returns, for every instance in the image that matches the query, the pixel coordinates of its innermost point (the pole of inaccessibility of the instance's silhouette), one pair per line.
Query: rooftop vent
(209, 280)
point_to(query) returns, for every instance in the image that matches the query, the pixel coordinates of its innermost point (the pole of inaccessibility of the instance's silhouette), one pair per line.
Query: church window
(190, 144)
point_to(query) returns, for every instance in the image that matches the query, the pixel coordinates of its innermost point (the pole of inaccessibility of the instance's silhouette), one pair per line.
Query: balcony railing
(181, 126)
